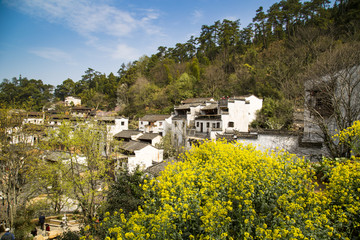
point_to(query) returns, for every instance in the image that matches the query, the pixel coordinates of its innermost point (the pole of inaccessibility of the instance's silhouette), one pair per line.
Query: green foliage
(168, 145)
(275, 114)
(67, 88)
(69, 235)
(23, 93)
(23, 224)
(17, 159)
(182, 88)
(125, 193)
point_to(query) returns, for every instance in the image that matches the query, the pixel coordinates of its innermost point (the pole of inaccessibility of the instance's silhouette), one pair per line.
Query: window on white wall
(231, 124)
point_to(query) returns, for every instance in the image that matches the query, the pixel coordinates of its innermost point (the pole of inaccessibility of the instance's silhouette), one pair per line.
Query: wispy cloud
(88, 16)
(197, 15)
(54, 54)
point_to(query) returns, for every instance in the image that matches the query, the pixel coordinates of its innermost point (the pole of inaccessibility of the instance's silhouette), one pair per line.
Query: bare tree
(332, 96)
(213, 81)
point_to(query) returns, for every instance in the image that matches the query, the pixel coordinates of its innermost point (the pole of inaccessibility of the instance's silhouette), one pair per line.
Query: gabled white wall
(241, 113)
(118, 126)
(156, 140)
(255, 104)
(144, 158)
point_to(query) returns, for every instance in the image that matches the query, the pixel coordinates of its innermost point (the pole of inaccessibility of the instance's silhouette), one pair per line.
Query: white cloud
(54, 54)
(88, 17)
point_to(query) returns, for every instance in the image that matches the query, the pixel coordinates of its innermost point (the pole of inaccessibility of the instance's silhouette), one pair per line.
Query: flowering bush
(343, 192)
(231, 191)
(351, 137)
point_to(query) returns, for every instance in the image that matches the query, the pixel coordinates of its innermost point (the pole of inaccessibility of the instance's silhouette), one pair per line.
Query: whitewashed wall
(145, 158)
(289, 143)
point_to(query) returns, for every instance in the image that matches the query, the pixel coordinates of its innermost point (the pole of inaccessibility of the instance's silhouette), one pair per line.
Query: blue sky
(53, 40)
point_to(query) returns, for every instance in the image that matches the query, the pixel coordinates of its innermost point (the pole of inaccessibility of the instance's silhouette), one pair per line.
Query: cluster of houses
(193, 120)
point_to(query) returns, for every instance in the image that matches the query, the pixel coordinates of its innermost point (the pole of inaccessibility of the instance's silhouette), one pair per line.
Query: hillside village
(193, 121)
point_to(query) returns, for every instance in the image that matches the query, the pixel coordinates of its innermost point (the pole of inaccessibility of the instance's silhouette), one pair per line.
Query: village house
(72, 101)
(227, 115)
(156, 123)
(197, 120)
(184, 116)
(137, 149)
(331, 104)
(138, 154)
(113, 124)
(331, 100)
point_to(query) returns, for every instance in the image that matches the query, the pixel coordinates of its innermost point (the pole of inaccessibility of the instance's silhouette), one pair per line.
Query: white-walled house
(114, 124)
(155, 123)
(184, 117)
(238, 112)
(72, 101)
(190, 108)
(204, 118)
(228, 115)
(140, 154)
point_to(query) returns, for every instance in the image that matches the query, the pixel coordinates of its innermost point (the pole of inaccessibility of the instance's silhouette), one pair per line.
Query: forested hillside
(271, 58)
